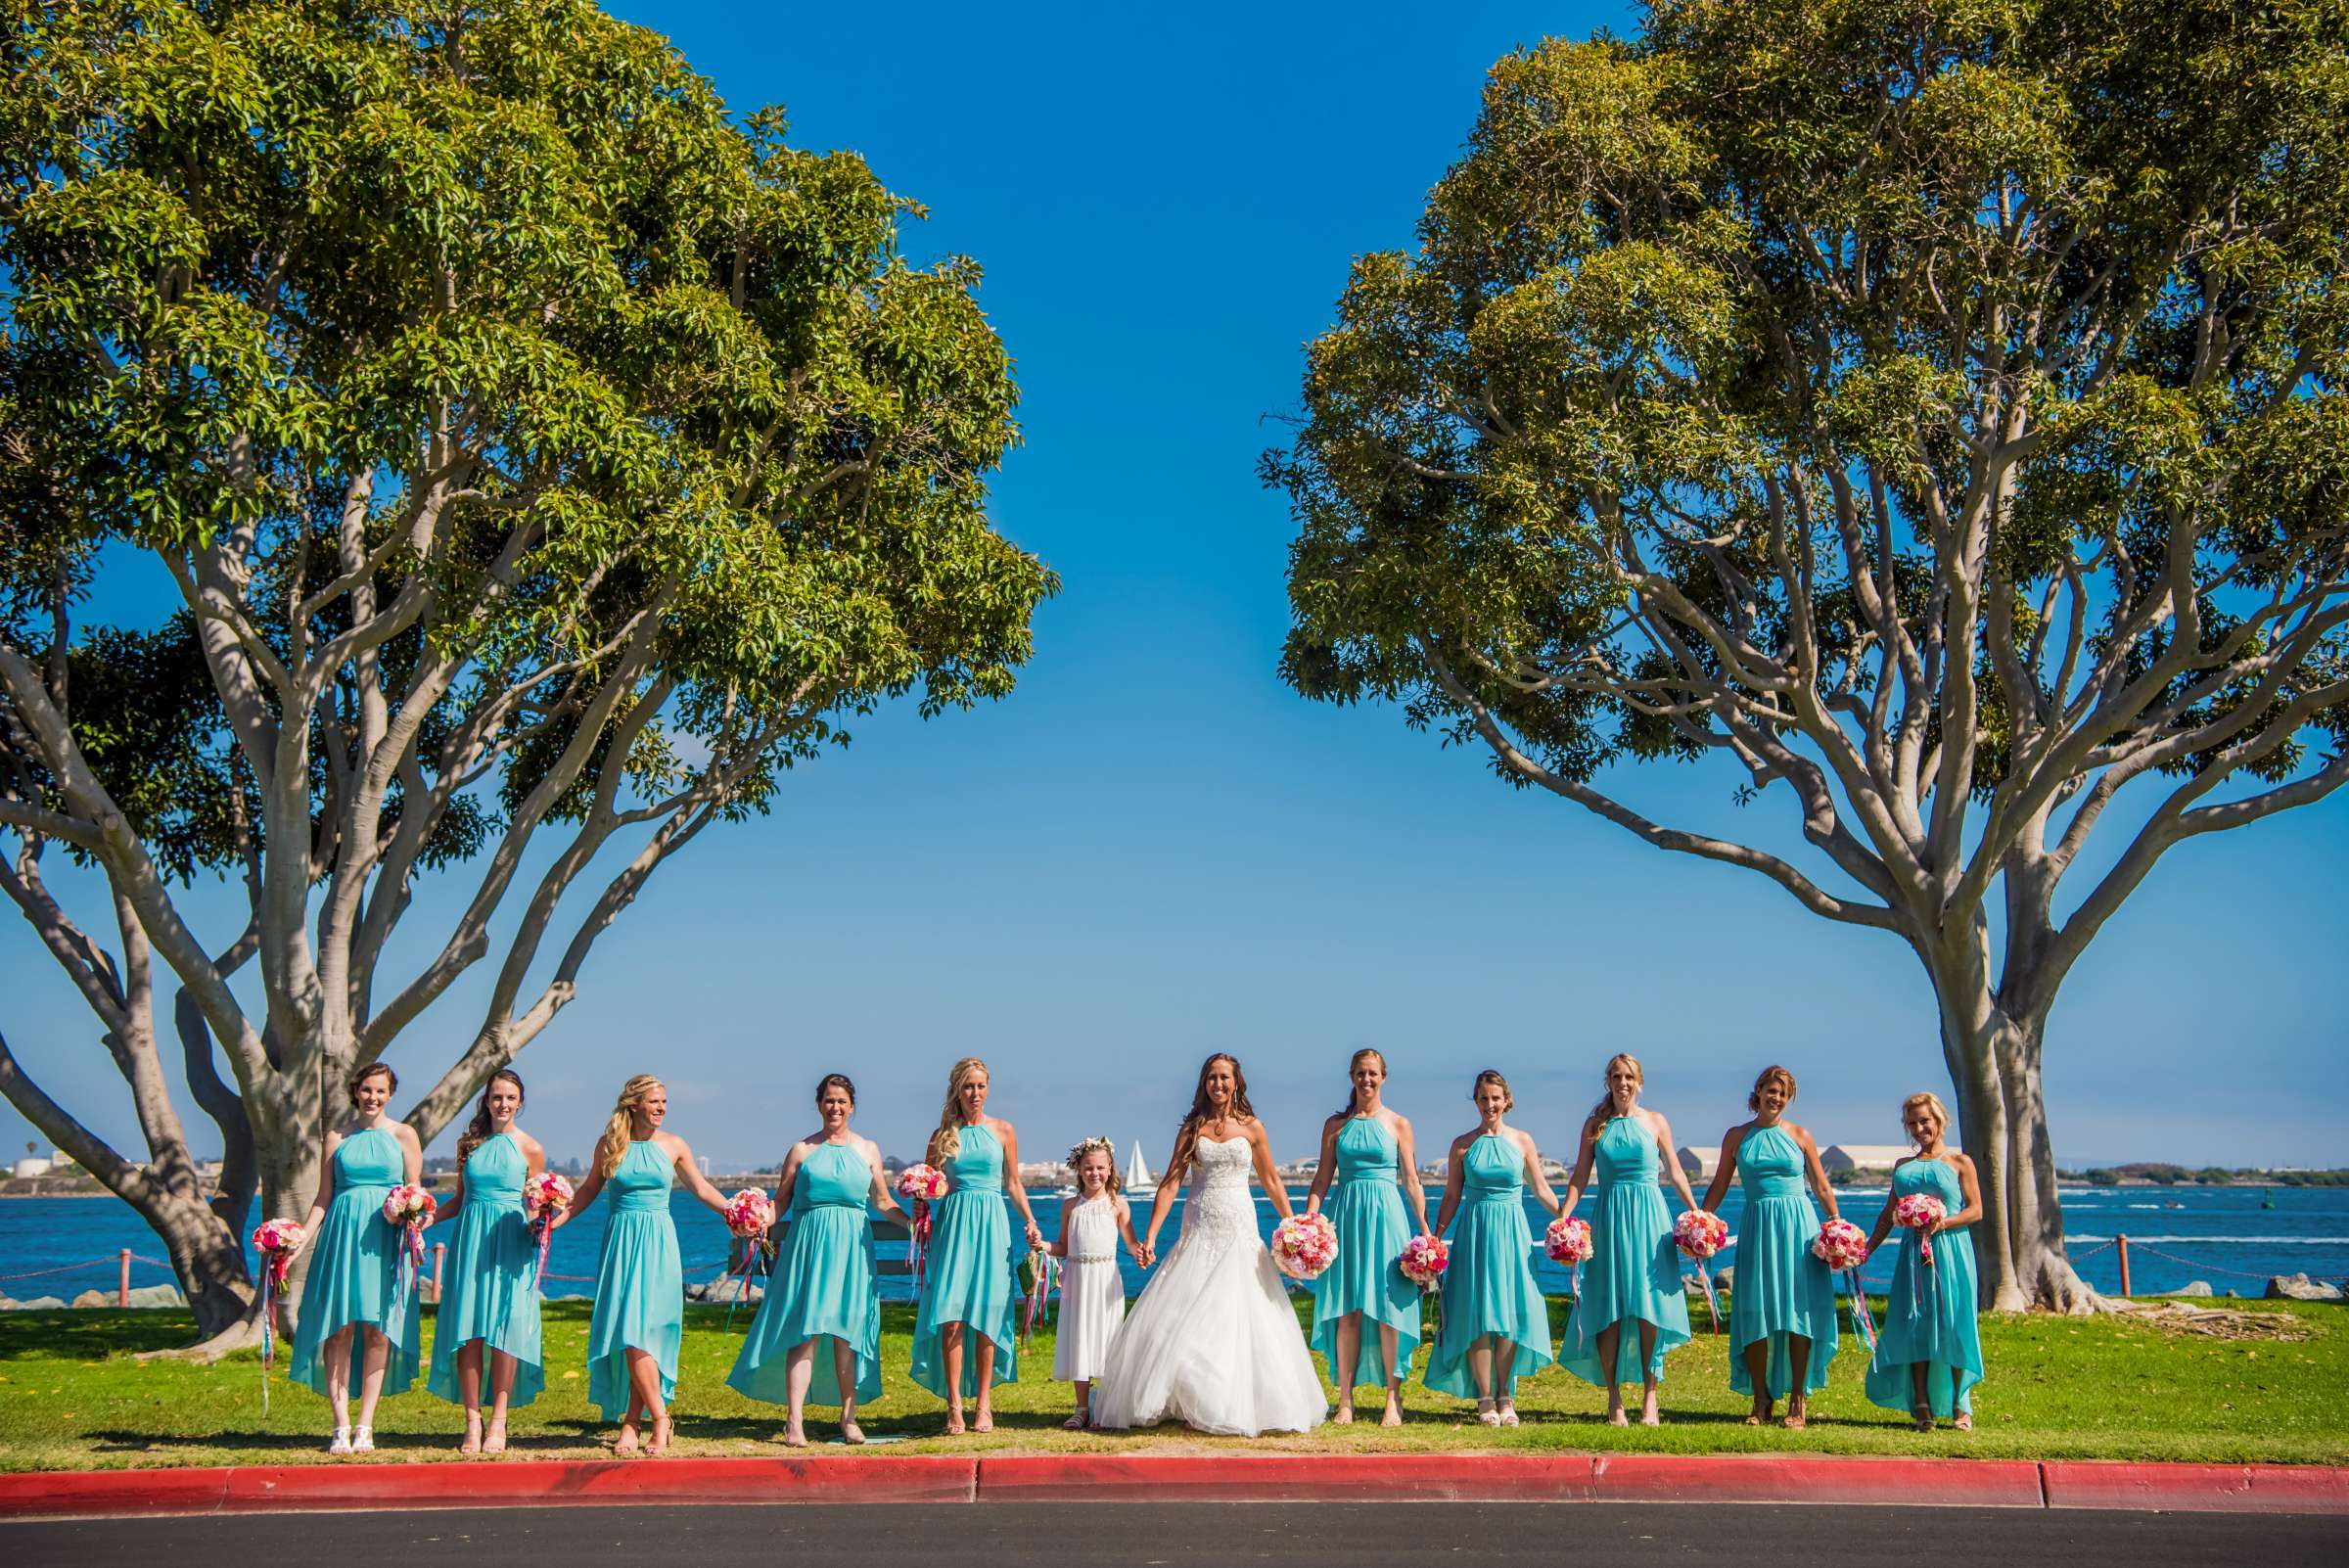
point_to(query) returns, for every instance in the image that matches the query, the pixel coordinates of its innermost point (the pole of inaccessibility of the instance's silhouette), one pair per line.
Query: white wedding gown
(1212, 1342)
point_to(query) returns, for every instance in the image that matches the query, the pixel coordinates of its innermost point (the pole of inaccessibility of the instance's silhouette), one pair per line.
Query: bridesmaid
(1929, 1352)
(490, 1301)
(1367, 1148)
(1495, 1324)
(639, 1315)
(353, 1276)
(968, 1283)
(1782, 1330)
(1633, 1275)
(821, 1286)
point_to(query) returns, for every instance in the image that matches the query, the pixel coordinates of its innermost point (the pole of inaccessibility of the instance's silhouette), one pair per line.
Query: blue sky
(1154, 849)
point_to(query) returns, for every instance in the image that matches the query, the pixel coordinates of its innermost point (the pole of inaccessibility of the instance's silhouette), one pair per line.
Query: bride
(1214, 1342)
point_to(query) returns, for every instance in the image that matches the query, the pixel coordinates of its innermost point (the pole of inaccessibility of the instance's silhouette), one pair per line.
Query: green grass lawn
(73, 1397)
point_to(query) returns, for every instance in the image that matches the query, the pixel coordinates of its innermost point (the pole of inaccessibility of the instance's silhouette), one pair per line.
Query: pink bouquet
(749, 1214)
(276, 1241)
(925, 1183)
(410, 1206)
(921, 1184)
(543, 1197)
(1923, 1213)
(1568, 1241)
(408, 1209)
(1424, 1260)
(1841, 1245)
(1700, 1234)
(1304, 1245)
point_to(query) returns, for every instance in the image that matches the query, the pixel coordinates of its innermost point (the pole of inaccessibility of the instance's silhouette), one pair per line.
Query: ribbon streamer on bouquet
(405, 1276)
(1918, 1262)
(1861, 1318)
(271, 1267)
(1712, 1302)
(1048, 1271)
(918, 1234)
(545, 1227)
(753, 1249)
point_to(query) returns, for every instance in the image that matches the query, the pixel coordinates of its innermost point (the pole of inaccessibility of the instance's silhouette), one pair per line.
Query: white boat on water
(1137, 1170)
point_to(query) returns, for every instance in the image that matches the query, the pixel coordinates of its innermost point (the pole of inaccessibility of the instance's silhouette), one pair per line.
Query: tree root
(2212, 1323)
(243, 1334)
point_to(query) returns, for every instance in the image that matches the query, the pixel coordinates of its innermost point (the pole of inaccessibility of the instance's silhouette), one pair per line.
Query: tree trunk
(1993, 1061)
(209, 1259)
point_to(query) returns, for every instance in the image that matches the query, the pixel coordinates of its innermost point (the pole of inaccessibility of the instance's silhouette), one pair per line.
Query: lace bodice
(1219, 1211)
(1219, 1163)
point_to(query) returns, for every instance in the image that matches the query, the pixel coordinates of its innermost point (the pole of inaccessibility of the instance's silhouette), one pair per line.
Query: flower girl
(1093, 1294)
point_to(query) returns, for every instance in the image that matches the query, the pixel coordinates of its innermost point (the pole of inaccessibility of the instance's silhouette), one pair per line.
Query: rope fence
(110, 1260)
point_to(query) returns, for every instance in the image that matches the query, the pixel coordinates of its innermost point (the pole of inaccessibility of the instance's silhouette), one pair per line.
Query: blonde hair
(1096, 1145)
(1773, 1074)
(1931, 1102)
(946, 1141)
(612, 1146)
(1604, 1110)
(1508, 1100)
(1352, 1062)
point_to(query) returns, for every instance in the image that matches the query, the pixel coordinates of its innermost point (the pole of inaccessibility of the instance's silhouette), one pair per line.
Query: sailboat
(1137, 1170)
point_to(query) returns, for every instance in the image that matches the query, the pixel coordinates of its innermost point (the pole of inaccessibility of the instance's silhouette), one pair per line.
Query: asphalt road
(1177, 1534)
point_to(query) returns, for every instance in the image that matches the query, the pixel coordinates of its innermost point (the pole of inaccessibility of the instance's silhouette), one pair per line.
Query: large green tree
(543, 461)
(1930, 411)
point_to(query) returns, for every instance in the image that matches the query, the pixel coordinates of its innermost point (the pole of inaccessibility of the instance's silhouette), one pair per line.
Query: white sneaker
(342, 1441)
(363, 1440)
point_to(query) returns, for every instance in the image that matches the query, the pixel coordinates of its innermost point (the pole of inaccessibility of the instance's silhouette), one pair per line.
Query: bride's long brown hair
(1187, 1135)
(1202, 1109)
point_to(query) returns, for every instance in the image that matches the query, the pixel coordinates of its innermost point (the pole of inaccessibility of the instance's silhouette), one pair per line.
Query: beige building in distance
(1842, 1159)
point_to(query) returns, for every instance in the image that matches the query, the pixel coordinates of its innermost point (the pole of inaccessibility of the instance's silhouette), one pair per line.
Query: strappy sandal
(1486, 1415)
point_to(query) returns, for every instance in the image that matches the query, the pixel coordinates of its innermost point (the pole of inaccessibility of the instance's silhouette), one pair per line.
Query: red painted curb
(114, 1492)
(2198, 1487)
(1236, 1478)
(1288, 1478)
(855, 1478)
(1809, 1478)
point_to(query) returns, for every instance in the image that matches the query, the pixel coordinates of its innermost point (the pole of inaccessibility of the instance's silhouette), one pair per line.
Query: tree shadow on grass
(94, 1333)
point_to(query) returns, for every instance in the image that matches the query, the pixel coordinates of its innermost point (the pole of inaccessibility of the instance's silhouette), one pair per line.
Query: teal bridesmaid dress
(1929, 1316)
(1633, 1274)
(1366, 1210)
(490, 1285)
(354, 1266)
(821, 1284)
(968, 1277)
(1489, 1289)
(640, 1286)
(1782, 1292)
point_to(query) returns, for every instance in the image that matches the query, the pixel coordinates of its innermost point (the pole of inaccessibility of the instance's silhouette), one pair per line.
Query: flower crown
(1085, 1146)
